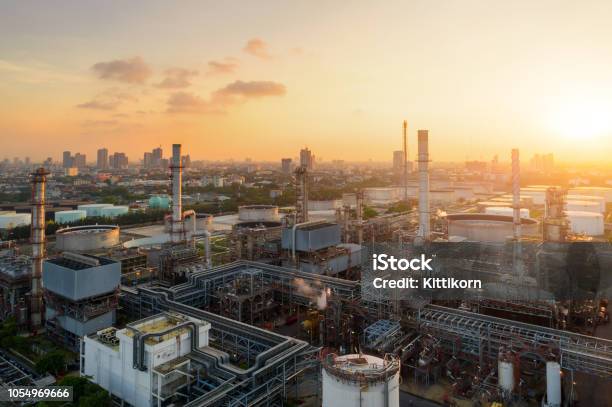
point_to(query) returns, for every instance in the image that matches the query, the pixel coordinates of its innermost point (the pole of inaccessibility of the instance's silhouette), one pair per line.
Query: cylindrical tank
(538, 195)
(324, 205)
(258, 213)
(591, 198)
(604, 192)
(553, 384)
(381, 195)
(505, 210)
(11, 220)
(505, 373)
(86, 238)
(69, 216)
(114, 211)
(360, 381)
(589, 223)
(484, 227)
(159, 202)
(93, 209)
(584, 206)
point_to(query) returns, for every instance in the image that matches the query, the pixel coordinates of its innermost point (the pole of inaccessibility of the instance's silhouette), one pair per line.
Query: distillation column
(176, 166)
(424, 215)
(301, 187)
(37, 239)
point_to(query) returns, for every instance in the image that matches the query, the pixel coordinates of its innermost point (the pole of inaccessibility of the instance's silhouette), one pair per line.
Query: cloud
(229, 65)
(132, 70)
(177, 78)
(110, 99)
(258, 48)
(221, 99)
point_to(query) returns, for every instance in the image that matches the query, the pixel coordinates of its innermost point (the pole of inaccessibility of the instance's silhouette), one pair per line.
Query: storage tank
(87, 238)
(381, 195)
(505, 210)
(349, 199)
(505, 373)
(258, 213)
(114, 211)
(93, 210)
(538, 195)
(483, 227)
(159, 202)
(12, 220)
(584, 206)
(69, 216)
(589, 223)
(360, 381)
(553, 385)
(324, 205)
(604, 192)
(591, 198)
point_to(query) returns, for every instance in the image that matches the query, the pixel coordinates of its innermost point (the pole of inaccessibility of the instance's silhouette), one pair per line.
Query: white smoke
(317, 295)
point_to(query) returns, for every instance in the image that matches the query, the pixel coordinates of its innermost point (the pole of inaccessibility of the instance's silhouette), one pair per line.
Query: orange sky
(267, 78)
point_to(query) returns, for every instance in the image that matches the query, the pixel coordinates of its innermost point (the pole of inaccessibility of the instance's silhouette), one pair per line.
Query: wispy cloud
(258, 48)
(177, 78)
(221, 99)
(110, 99)
(227, 66)
(131, 70)
(36, 73)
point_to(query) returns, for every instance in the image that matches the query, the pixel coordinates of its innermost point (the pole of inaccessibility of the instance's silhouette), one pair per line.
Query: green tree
(53, 362)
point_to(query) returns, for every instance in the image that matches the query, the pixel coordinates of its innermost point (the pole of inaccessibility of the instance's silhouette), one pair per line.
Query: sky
(262, 79)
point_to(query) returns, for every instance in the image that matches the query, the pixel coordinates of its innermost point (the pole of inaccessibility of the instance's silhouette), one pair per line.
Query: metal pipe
(37, 238)
(424, 211)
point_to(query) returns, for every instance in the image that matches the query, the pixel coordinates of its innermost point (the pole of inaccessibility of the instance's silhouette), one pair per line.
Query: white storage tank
(591, 198)
(589, 223)
(604, 192)
(585, 206)
(326, 205)
(360, 381)
(12, 219)
(93, 209)
(553, 385)
(114, 211)
(258, 213)
(69, 216)
(505, 373)
(505, 210)
(381, 195)
(86, 238)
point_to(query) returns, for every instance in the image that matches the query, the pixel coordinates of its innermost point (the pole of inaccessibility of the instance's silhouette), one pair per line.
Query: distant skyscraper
(186, 161)
(66, 159)
(79, 160)
(102, 162)
(158, 155)
(118, 161)
(306, 159)
(286, 165)
(26, 161)
(398, 161)
(147, 161)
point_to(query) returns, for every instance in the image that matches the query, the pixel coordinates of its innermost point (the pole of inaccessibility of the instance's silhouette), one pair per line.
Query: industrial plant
(274, 303)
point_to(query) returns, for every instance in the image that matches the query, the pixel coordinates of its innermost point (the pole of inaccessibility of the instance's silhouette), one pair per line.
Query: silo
(589, 223)
(114, 211)
(69, 216)
(360, 381)
(93, 210)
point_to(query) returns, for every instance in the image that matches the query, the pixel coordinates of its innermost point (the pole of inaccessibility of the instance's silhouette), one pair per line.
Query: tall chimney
(301, 205)
(177, 207)
(424, 218)
(516, 194)
(405, 178)
(37, 238)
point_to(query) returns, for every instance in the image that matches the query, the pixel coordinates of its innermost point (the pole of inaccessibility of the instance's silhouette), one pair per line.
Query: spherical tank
(360, 381)
(87, 238)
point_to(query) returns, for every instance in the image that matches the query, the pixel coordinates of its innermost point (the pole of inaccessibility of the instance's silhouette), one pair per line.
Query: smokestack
(424, 221)
(516, 194)
(301, 207)
(177, 207)
(405, 162)
(37, 238)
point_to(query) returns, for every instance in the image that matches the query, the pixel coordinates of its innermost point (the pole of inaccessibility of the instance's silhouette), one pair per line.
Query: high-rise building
(307, 158)
(67, 159)
(186, 161)
(147, 161)
(118, 161)
(102, 162)
(286, 164)
(158, 155)
(398, 161)
(79, 160)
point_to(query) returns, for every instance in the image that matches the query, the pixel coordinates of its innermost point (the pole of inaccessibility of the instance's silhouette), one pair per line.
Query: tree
(369, 213)
(53, 362)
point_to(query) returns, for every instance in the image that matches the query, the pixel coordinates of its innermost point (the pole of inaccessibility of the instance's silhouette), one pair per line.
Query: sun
(581, 119)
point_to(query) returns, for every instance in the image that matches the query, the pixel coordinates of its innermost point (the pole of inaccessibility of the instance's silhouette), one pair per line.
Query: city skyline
(481, 78)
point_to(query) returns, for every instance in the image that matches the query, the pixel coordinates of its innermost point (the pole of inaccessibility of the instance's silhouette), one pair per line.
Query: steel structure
(483, 337)
(39, 179)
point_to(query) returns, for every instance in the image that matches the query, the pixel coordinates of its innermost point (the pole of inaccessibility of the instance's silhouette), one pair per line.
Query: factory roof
(79, 261)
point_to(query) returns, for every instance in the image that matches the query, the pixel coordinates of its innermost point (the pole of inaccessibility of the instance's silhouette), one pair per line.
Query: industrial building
(80, 295)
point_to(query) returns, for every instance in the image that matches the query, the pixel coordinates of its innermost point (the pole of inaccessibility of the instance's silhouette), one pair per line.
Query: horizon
(489, 78)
